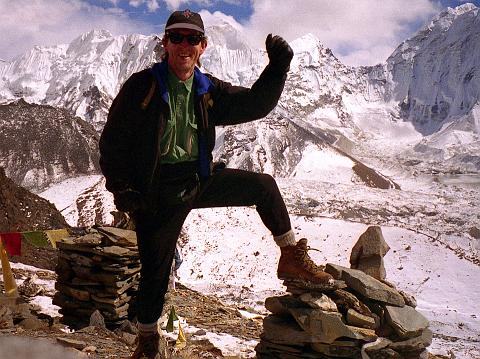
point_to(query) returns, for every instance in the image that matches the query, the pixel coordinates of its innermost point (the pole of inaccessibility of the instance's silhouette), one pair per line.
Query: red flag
(12, 243)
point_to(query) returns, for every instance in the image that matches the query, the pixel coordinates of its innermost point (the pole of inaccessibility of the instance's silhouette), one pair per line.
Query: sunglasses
(177, 38)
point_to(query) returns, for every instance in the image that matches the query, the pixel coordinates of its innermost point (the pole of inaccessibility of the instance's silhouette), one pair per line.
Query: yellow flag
(55, 235)
(8, 280)
(181, 339)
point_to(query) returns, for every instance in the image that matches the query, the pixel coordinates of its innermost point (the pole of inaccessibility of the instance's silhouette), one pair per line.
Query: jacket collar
(201, 83)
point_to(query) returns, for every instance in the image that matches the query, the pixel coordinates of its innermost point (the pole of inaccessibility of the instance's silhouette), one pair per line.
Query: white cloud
(180, 4)
(135, 3)
(359, 32)
(26, 23)
(152, 5)
(218, 17)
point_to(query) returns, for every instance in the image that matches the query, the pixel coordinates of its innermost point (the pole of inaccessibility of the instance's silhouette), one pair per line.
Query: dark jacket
(129, 144)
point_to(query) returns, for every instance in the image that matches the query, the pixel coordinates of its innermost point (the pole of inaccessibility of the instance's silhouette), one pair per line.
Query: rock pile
(367, 319)
(97, 271)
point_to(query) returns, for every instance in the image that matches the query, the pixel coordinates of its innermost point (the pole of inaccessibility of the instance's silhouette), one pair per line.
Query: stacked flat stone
(97, 271)
(368, 318)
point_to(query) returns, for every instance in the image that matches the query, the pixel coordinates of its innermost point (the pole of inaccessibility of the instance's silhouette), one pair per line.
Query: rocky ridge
(21, 210)
(42, 144)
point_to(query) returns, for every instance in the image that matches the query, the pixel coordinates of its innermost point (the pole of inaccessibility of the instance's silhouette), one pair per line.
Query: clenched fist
(279, 52)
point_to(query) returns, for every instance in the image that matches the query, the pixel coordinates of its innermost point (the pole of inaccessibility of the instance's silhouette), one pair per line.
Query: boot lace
(301, 253)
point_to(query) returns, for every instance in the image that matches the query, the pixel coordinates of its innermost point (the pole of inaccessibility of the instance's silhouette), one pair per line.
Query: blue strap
(160, 71)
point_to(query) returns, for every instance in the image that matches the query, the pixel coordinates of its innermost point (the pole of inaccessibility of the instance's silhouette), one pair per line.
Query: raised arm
(236, 104)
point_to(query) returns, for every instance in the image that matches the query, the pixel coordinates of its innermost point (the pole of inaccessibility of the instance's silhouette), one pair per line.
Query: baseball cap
(185, 19)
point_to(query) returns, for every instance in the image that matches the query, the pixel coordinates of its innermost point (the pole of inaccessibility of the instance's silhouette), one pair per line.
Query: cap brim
(185, 26)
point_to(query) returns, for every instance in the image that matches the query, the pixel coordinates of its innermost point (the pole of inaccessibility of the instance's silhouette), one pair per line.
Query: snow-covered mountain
(412, 98)
(82, 76)
(435, 75)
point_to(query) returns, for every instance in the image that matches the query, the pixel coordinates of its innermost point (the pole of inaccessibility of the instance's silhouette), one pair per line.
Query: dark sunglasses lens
(176, 38)
(194, 39)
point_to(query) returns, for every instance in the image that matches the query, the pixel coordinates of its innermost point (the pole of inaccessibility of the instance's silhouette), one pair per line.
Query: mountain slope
(42, 144)
(21, 210)
(435, 75)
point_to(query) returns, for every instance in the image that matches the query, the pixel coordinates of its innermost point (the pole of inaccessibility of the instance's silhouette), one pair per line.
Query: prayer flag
(37, 238)
(12, 243)
(171, 318)
(181, 339)
(55, 235)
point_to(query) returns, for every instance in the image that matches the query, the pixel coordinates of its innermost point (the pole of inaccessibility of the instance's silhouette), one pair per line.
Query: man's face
(182, 57)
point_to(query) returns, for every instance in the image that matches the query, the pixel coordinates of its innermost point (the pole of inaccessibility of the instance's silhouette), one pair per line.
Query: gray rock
(71, 343)
(335, 270)
(367, 254)
(377, 345)
(357, 319)
(128, 327)
(115, 251)
(366, 285)
(119, 236)
(409, 299)
(280, 305)
(319, 301)
(338, 349)
(406, 321)
(347, 300)
(419, 343)
(29, 288)
(283, 331)
(127, 338)
(33, 323)
(97, 320)
(6, 317)
(385, 353)
(326, 327)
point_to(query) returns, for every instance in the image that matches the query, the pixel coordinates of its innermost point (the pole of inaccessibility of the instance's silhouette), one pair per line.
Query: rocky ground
(208, 313)
(39, 331)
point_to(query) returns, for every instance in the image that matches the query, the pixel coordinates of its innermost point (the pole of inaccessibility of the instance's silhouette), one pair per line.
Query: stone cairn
(367, 318)
(98, 270)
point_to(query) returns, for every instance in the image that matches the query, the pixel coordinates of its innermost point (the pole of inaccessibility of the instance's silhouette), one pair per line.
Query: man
(156, 155)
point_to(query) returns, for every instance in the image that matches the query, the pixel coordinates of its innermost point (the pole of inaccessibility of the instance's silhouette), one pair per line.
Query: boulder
(367, 254)
(406, 321)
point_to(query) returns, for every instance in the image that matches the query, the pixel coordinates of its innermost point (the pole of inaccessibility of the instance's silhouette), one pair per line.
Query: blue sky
(360, 32)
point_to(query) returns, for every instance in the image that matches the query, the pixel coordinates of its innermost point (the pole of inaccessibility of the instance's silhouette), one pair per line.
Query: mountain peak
(462, 9)
(96, 35)
(444, 20)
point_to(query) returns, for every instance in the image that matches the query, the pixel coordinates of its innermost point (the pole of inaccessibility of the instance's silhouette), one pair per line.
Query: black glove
(128, 200)
(279, 53)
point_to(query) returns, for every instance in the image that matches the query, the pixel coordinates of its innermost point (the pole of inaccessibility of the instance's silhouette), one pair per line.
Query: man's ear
(204, 45)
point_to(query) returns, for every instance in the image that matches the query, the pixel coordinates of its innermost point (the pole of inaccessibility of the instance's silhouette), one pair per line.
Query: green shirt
(180, 140)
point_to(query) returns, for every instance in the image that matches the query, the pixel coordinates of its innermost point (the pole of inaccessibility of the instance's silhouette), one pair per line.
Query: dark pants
(157, 233)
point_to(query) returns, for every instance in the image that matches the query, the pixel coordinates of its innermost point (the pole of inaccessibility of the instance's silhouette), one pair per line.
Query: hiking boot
(295, 264)
(147, 347)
